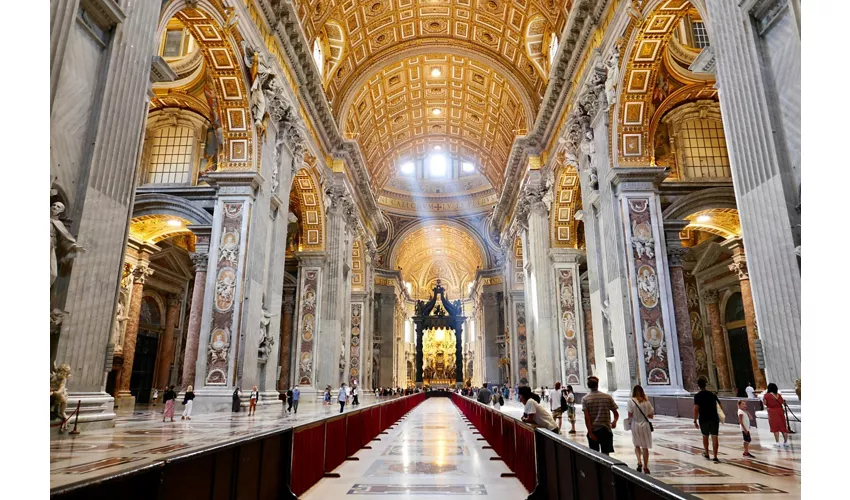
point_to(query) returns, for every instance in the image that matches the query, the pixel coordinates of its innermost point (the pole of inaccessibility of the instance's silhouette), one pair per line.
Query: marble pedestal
(97, 410)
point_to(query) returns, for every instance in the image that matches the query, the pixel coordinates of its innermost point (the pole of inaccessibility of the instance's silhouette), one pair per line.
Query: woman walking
(188, 401)
(776, 415)
(640, 411)
(571, 408)
(327, 396)
(168, 398)
(252, 403)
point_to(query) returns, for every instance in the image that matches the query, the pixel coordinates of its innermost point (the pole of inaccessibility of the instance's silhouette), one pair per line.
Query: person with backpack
(640, 411)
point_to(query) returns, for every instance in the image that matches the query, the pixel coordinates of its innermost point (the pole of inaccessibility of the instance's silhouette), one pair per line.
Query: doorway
(739, 345)
(147, 342)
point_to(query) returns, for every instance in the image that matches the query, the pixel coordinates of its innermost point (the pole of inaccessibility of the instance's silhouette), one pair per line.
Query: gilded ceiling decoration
(374, 28)
(723, 222)
(438, 251)
(455, 103)
(519, 274)
(227, 96)
(653, 72)
(311, 211)
(358, 267)
(155, 228)
(567, 200)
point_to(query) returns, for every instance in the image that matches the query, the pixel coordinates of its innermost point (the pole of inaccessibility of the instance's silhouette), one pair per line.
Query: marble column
(739, 267)
(543, 344)
(565, 262)
(166, 346)
(675, 254)
(590, 349)
(757, 50)
(124, 400)
(193, 334)
(100, 78)
(286, 341)
(718, 340)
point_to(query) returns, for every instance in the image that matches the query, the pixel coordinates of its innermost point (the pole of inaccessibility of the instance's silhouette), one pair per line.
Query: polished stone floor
(431, 452)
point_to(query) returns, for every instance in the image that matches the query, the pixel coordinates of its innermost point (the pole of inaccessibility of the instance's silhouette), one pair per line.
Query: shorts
(709, 427)
(557, 413)
(604, 440)
(747, 437)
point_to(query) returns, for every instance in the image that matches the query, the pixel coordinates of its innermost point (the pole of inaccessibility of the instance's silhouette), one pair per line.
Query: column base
(216, 399)
(97, 411)
(125, 404)
(269, 398)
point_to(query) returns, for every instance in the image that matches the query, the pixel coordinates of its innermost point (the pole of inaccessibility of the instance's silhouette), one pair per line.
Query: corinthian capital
(710, 296)
(739, 267)
(141, 272)
(675, 256)
(199, 261)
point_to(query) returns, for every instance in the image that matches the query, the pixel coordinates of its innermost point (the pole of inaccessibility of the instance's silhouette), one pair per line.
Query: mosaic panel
(650, 320)
(522, 342)
(227, 264)
(697, 326)
(569, 323)
(307, 324)
(354, 342)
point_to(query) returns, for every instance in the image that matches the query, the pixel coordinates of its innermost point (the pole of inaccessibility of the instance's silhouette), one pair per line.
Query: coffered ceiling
(380, 82)
(414, 105)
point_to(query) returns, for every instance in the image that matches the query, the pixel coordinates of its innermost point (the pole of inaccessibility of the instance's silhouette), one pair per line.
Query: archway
(739, 348)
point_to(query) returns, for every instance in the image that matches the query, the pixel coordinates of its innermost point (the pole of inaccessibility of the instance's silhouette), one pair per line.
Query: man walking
(354, 393)
(296, 395)
(484, 394)
(342, 397)
(705, 411)
(597, 407)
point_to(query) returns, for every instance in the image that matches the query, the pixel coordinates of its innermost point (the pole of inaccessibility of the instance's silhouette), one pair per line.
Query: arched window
(171, 156)
(696, 133)
(319, 56)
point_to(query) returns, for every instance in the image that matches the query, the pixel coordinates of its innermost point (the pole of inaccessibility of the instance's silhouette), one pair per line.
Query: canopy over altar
(443, 321)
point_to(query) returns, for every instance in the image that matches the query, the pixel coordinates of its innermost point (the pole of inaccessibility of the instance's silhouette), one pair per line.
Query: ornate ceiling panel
(410, 107)
(438, 251)
(311, 210)
(155, 228)
(723, 222)
(375, 27)
(567, 200)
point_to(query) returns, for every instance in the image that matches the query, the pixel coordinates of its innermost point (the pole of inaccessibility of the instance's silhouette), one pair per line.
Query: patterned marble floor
(142, 438)
(432, 453)
(676, 458)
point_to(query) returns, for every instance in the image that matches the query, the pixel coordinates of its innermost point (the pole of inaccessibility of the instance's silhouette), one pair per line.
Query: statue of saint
(63, 246)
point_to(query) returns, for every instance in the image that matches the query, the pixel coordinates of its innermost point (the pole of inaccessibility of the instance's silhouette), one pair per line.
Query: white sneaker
(786, 445)
(777, 445)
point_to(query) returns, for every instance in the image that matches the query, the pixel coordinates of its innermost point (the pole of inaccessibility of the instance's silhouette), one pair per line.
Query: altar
(439, 344)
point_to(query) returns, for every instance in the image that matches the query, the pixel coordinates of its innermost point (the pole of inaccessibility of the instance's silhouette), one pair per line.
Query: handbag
(651, 428)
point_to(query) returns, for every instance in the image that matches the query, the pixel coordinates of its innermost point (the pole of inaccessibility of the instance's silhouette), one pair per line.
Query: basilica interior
(424, 195)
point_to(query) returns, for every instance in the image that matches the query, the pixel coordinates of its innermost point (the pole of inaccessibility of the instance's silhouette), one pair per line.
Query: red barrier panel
(497, 437)
(526, 470)
(508, 442)
(354, 433)
(308, 453)
(335, 443)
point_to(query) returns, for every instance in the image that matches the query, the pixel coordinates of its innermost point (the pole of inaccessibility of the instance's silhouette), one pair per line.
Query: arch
(229, 101)
(565, 203)
(457, 224)
(704, 199)
(311, 206)
(435, 94)
(153, 304)
(538, 34)
(161, 203)
(157, 227)
(646, 83)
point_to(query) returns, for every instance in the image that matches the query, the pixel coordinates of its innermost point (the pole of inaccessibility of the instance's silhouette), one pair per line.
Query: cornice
(576, 35)
(283, 19)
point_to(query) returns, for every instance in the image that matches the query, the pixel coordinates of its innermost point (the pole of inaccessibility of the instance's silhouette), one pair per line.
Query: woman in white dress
(640, 411)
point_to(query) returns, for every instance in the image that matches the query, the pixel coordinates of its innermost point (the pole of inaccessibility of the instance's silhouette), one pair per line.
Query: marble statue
(266, 340)
(59, 394)
(121, 317)
(587, 147)
(63, 246)
(613, 76)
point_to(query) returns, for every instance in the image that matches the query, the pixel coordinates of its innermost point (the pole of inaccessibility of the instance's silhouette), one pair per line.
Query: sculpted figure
(58, 393)
(63, 246)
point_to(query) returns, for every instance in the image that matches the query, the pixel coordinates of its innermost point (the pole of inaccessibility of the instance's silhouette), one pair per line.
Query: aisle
(431, 453)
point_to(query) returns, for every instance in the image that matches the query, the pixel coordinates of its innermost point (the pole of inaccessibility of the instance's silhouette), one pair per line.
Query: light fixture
(174, 223)
(436, 72)
(436, 112)
(703, 218)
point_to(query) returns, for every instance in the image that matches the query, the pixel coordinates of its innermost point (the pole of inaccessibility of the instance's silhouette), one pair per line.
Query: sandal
(645, 471)
(640, 468)
(705, 455)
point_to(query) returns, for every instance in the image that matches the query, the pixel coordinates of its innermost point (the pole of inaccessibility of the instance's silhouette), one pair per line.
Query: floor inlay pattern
(726, 488)
(679, 468)
(417, 489)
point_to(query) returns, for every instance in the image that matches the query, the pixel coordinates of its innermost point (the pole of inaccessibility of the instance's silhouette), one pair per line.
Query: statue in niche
(63, 246)
(59, 394)
(613, 76)
(121, 316)
(266, 339)
(587, 147)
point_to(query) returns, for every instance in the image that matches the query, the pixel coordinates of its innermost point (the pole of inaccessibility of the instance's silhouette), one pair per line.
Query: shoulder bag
(651, 428)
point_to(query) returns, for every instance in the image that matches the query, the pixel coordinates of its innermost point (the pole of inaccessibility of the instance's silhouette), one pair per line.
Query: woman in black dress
(237, 400)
